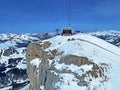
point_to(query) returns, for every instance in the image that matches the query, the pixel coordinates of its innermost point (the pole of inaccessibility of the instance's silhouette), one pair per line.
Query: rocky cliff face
(71, 62)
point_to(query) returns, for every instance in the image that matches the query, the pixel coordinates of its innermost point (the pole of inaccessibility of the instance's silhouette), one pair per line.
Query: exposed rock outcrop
(10, 51)
(39, 76)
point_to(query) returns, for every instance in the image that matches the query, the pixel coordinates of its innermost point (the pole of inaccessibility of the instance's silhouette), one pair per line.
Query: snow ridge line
(99, 46)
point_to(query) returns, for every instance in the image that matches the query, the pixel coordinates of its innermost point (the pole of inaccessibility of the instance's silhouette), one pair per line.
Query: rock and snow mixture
(77, 62)
(13, 64)
(12, 60)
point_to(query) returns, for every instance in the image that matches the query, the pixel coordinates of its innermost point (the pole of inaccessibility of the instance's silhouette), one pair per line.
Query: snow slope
(97, 50)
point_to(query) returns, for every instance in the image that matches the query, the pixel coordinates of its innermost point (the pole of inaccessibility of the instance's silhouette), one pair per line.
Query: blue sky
(40, 16)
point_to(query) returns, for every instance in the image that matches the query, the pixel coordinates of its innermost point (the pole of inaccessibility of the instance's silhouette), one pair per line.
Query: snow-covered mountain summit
(81, 62)
(108, 32)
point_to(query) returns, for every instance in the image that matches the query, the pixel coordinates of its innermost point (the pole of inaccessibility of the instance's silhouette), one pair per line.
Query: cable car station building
(67, 31)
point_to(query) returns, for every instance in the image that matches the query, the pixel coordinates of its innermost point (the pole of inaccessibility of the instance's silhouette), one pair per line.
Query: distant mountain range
(12, 55)
(110, 36)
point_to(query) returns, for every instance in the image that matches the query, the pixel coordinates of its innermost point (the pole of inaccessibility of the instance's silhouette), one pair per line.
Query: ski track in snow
(99, 46)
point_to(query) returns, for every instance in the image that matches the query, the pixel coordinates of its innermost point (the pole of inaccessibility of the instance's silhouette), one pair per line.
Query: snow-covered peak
(107, 32)
(84, 45)
(93, 48)
(19, 36)
(80, 62)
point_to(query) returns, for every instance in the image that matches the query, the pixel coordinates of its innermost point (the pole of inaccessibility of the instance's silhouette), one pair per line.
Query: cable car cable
(40, 7)
(68, 7)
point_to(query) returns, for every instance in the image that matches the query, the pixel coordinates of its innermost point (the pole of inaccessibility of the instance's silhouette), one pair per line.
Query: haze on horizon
(39, 16)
